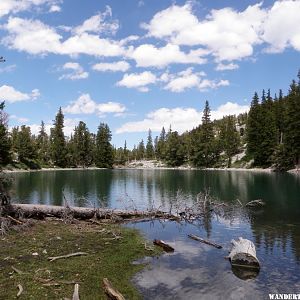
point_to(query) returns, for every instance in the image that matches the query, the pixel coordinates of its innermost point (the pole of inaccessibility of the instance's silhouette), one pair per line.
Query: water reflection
(198, 271)
(193, 269)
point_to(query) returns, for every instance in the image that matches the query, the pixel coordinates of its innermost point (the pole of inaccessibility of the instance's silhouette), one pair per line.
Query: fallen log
(40, 211)
(199, 239)
(66, 256)
(243, 254)
(164, 245)
(110, 291)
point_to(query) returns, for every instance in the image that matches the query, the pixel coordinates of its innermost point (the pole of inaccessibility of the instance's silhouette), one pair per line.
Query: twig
(20, 290)
(197, 238)
(17, 270)
(67, 256)
(110, 291)
(14, 220)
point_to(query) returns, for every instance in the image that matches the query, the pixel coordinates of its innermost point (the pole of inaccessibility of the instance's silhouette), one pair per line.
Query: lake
(194, 270)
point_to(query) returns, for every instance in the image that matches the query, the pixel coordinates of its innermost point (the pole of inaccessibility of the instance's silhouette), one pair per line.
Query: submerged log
(40, 211)
(164, 245)
(243, 254)
(199, 239)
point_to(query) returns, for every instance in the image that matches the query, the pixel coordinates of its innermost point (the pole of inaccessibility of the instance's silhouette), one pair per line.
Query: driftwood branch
(20, 290)
(164, 245)
(76, 292)
(17, 270)
(253, 203)
(110, 291)
(199, 239)
(66, 256)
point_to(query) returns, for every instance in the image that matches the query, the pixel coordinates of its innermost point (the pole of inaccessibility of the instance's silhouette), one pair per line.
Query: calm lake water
(194, 270)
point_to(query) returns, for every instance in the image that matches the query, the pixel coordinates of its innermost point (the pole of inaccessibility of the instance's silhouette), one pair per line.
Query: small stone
(35, 254)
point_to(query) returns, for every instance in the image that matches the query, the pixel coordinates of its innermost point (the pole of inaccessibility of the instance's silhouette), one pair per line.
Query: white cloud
(77, 71)
(35, 37)
(148, 55)
(181, 119)
(225, 67)
(225, 33)
(11, 95)
(188, 79)
(18, 119)
(85, 105)
(139, 81)
(282, 26)
(69, 125)
(118, 66)
(8, 69)
(55, 8)
(98, 24)
(14, 6)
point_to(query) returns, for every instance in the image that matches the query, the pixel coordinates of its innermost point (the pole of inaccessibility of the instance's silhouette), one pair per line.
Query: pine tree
(43, 145)
(82, 145)
(161, 145)
(141, 150)
(292, 135)
(174, 150)
(149, 146)
(253, 127)
(5, 145)
(104, 156)
(25, 145)
(204, 152)
(229, 137)
(267, 133)
(58, 142)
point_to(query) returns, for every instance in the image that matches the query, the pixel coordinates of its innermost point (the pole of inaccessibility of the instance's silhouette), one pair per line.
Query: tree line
(267, 136)
(81, 149)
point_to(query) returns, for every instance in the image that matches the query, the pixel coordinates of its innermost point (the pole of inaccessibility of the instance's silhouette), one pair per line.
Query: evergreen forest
(267, 136)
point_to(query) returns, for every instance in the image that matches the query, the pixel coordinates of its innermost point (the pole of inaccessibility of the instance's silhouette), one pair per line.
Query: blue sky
(142, 64)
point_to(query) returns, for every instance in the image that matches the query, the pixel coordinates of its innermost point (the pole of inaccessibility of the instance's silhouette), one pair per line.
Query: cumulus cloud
(188, 79)
(99, 23)
(77, 72)
(118, 66)
(11, 95)
(86, 105)
(35, 37)
(225, 33)
(54, 8)
(282, 26)
(15, 6)
(181, 119)
(139, 81)
(147, 55)
(229, 34)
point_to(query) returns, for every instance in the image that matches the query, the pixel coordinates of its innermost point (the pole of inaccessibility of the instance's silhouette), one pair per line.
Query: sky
(142, 64)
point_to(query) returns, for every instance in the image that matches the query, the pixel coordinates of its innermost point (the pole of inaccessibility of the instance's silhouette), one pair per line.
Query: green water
(194, 271)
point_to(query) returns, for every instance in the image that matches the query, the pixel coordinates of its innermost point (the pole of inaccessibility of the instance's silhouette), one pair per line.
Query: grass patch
(107, 257)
